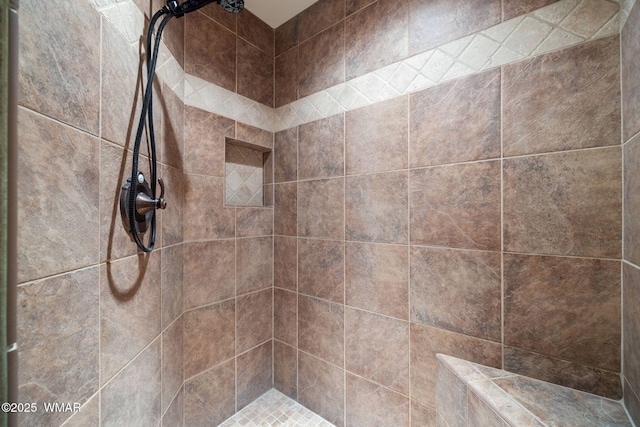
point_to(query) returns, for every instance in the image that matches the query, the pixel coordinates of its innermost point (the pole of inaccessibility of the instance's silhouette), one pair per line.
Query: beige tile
(630, 61)
(320, 208)
(376, 208)
(54, 177)
(480, 413)
(254, 320)
(423, 415)
(631, 203)
(321, 269)
(254, 374)
(369, 404)
(631, 326)
(377, 278)
(174, 417)
(451, 397)
(244, 176)
(589, 17)
(568, 204)
(172, 217)
(254, 264)
(321, 329)
(173, 130)
(89, 414)
(133, 397)
(568, 308)
(456, 290)
(377, 348)
(209, 337)
(443, 215)
(52, 81)
(59, 349)
(377, 137)
(129, 310)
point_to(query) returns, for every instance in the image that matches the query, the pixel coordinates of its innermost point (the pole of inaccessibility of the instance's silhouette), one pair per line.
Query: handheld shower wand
(138, 203)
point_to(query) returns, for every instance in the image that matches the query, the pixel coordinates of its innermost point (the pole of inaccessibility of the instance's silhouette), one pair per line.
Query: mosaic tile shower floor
(275, 409)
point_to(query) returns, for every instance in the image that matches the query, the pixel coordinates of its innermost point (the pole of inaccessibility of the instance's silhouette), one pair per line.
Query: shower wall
(182, 335)
(480, 218)
(631, 267)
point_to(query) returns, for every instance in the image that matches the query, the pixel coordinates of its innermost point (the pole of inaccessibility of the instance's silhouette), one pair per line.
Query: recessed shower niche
(247, 171)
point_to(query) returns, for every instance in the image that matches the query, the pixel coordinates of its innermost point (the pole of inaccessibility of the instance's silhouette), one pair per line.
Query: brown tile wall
(183, 334)
(630, 51)
(452, 220)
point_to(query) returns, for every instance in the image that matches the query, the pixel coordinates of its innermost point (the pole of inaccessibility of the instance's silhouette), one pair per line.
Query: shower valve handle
(144, 203)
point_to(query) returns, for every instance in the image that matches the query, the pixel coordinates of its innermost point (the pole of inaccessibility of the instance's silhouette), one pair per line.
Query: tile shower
(486, 212)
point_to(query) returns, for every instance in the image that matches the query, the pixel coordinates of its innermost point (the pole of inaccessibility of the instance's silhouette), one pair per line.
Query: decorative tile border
(554, 27)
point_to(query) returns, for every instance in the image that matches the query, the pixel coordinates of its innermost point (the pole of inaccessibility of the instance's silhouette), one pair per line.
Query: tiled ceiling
(277, 12)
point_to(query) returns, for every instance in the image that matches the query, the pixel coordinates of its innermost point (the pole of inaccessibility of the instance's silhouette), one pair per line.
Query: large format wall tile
(436, 22)
(457, 206)
(210, 398)
(321, 388)
(321, 269)
(286, 36)
(286, 78)
(285, 316)
(426, 342)
(631, 326)
(376, 36)
(369, 404)
(376, 207)
(562, 372)
(255, 81)
(89, 414)
(318, 17)
(632, 201)
(321, 61)
(254, 319)
(174, 416)
(255, 31)
(172, 218)
(209, 272)
(285, 209)
(204, 210)
(172, 362)
(457, 121)
(564, 100)
(172, 281)
(173, 132)
(254, 264)
(58, 338)
(377, 278)
(457, 290)
(254, 222)
(210, 51)
(129, 310)
(321, 148)
(52, 79)
(285, 369)
(133, 397)
(285, 162)
(376, 137)
(564, 307)
(320, 208)
(564, 203)
(321, 329)
(630, 52)
(254, 374)
(285, 262)
(204, 141)
(513, 9)
(209, 337)
(58, 169)
(377, 348)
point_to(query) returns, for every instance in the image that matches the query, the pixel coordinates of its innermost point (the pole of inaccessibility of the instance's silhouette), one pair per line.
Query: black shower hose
(147, 111)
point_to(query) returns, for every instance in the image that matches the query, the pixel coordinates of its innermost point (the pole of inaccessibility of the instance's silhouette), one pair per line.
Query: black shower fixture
(138, 203)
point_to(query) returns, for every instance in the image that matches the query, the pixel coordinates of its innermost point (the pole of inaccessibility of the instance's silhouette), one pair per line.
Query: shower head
(233, 6)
